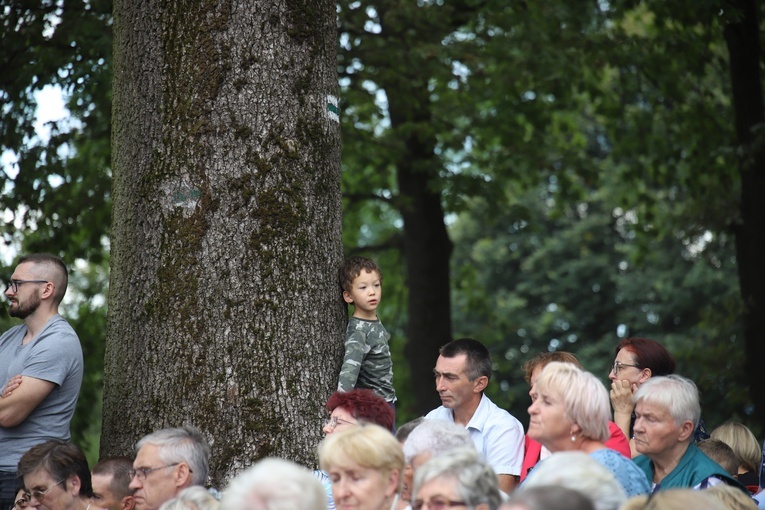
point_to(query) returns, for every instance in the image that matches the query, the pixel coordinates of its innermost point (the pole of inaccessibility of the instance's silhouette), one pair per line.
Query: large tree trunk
(743, 43)
(224, 307)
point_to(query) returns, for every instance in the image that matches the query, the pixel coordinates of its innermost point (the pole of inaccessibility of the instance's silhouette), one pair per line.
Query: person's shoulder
(439, 413)
(497, 415)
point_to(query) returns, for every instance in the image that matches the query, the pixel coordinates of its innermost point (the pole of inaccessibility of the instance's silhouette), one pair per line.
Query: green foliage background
(587, 170)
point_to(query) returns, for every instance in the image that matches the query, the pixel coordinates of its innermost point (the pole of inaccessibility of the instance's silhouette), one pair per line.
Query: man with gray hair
(433, 438)
(167, 461)
(274, 484)
(40, 365)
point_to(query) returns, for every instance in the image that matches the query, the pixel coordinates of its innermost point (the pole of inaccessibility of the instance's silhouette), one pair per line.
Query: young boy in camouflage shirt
(367, 362)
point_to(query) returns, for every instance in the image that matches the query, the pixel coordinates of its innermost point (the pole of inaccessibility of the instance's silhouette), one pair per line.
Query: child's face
(365, 294)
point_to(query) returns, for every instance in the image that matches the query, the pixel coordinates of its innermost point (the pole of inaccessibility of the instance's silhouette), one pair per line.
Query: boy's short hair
(352, 269)
(721, 453)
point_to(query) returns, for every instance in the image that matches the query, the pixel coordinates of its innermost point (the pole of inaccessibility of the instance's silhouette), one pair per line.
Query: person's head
(667, 411)
(742, 441)
(570, 403)
(21, 500)
(458, 475)
(351, 407)
(111, 479)
(732, 497)
(361, 281)
(462, 372)
(433, 438)
(55, 474)
(166, 462)
(274, 484)
(534, 366)
(191, 498)
(547, 497)
(639, 359)
(40, 279)
(578, 471)
(407, 478)
(720, 453)
(675, 499)
(364, 464)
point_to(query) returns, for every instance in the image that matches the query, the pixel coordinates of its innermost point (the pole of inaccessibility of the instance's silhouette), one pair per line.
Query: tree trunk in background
(224, 308)
(743, 42)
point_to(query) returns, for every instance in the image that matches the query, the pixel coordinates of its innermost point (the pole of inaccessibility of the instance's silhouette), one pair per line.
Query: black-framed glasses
(40, 495)
(20, 503)
(618, 365)
(14, 284)
(334, 421)
(142, 473)
(436, 504)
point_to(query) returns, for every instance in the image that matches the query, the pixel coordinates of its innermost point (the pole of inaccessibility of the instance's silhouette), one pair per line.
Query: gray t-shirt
(55, 356)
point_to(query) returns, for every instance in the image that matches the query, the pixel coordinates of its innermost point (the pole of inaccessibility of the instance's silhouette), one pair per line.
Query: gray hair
(675, 393)
(435, 437)
(578, 471)
(476, 482)
(274, 484)
(548, 497)
(191, 498)
(184, 444)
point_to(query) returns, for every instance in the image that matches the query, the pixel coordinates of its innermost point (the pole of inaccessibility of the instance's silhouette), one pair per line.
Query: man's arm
(507, 483)
(15, 407)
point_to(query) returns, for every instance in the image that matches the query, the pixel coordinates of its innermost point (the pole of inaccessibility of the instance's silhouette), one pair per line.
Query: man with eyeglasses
(168, 461)
(40, 365)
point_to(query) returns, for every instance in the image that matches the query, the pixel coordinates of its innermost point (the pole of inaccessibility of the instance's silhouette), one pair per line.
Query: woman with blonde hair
(675, 499)
(570, 412)
(743, 443)
(365, 465)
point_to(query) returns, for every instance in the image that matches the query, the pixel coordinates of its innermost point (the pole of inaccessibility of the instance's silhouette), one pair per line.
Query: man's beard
(24, 310)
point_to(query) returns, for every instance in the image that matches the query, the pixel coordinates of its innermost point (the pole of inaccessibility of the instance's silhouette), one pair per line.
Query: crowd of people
(642, 444)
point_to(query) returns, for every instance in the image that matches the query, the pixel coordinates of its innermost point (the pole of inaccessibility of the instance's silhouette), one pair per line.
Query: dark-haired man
(111, 480)
(40, 365)
(462, 372)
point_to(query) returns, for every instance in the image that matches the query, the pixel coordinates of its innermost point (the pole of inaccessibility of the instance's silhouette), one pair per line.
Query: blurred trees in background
(537, 175)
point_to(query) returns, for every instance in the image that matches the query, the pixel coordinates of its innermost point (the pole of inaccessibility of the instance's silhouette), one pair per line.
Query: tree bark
(742, 38)
(224, 307)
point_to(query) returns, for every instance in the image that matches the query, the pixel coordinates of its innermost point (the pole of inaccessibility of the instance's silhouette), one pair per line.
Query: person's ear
(347, 297)
(127, 503)
(182, 475)
(73, 485)
(645, 374)
(392, 486)
(480, 384)
(686, 430)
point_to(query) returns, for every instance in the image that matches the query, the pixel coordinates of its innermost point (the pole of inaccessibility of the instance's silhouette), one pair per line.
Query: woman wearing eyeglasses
(637, 360)
(364, 464)
(56, 476)
(347, 409)
(21, 500)
(570, 413)
(457, 479)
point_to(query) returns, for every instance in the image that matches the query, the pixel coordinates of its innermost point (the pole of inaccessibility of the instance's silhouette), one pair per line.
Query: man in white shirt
(462, 373)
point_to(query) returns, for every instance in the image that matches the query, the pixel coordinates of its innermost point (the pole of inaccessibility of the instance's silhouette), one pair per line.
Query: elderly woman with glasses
(667, 411)
(56, 476)
(570, 413)
(365, 465)
(456, 479)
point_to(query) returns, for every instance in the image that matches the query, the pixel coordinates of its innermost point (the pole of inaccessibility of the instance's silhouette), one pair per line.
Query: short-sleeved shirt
(367, 363)
(55, 355)
(498, 435)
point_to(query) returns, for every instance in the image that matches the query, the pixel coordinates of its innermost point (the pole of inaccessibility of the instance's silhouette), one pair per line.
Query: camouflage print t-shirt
(367, 363)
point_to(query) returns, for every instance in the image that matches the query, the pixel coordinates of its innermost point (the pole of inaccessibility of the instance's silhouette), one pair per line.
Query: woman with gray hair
(570, 412)
(191, 498)
(667, 411)
(456, 478)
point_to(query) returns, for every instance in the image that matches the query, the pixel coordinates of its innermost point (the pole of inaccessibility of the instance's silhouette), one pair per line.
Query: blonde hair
(733, 498)
(367, 445)
(675, 499)
(584, 397)
(742, 441)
